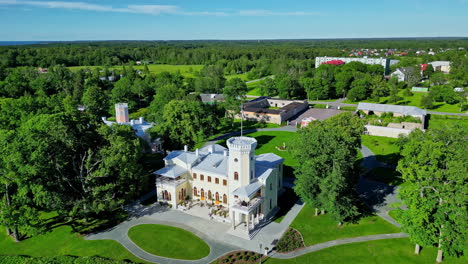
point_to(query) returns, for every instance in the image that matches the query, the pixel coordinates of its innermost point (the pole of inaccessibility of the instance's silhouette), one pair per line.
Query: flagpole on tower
(242, 116)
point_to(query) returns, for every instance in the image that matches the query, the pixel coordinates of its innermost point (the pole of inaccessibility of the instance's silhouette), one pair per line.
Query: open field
(168, 241)
(415, 100)
(392, 251)
(322, 228)
(185, 70)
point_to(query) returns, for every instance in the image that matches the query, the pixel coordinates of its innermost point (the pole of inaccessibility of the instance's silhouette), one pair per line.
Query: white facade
(244, 184)
(386, 63)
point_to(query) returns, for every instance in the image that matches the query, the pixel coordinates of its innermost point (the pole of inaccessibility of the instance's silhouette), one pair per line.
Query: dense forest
(203, 52)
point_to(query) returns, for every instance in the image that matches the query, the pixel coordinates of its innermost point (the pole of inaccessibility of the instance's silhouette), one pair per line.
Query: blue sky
(229, 19)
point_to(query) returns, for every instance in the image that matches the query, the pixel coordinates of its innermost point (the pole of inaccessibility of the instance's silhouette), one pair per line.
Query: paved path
(333, 243)
(378, 196)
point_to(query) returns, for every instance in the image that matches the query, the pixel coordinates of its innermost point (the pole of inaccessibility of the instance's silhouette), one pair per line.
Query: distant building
(402, 73)
(121, 113)
(420, 89)
(211, 98)
(386, 63)
(393, 130)
(442, 66)
(272, 110)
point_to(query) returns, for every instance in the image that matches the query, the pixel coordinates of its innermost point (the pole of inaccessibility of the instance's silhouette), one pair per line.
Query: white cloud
(146, 9)
(261, 12)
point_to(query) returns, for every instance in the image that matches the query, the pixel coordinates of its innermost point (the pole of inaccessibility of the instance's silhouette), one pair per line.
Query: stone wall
(386, 131)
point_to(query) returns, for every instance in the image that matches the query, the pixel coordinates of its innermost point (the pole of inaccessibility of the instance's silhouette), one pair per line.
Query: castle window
(194, 175)
(225, 198)
(209, 178)
(195, 193)
(224, 182)
(236, 160)
(235, 196)
(202, 177)
(236, 176)
(216, 180)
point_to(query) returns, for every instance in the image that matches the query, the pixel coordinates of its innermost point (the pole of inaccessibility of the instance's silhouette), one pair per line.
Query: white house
(442, 66)
(244, 184)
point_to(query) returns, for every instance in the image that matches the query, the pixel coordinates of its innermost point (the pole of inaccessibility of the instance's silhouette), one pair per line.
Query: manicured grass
(385, 149)
(386, 175)
(269, 140)
(185, 70)
(322, 228)
(391, 251)
(393, 214)
(63, 241)
(168, 241)
(441, 122)
(415, 100)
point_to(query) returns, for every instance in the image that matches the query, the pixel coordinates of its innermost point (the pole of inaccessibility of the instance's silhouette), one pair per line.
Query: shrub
(291, 240)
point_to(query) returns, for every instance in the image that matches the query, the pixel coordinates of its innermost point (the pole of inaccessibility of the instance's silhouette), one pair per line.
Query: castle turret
(121, 113)
(241, 168)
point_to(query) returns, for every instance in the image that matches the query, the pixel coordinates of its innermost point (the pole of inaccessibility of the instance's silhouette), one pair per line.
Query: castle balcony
(247, 206)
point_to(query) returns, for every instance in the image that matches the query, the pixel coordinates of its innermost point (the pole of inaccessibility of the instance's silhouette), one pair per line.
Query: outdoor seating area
(205, 209)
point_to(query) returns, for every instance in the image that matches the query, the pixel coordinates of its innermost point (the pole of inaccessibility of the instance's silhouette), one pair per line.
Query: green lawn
(253, 89)
(185, 70)
(169, 242)
(242, 76)
(63, 241)
(385, 149)
(415, 100)
(440, 121)
(269, 140)
(391, 251)
(322, 228)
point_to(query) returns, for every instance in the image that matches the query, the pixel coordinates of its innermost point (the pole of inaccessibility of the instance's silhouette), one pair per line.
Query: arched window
(202, 194)
(195, 193)
(217, 196)
(236, 176)
(194, 175)
(225, 198)
(209, 178)
(236, 160)
(165, 195)
(209, 195)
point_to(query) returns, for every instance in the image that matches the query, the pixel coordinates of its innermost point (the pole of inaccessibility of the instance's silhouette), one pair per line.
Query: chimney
(185, 148)
(141, 120)
(132, 122)
(197, 152)
(225, 153)
(212, 148)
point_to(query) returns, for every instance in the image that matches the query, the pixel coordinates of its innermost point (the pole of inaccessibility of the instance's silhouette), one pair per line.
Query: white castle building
(245, 184)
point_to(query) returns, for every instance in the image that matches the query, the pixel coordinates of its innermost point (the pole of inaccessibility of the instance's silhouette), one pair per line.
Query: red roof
(423, 67)
(334, 62)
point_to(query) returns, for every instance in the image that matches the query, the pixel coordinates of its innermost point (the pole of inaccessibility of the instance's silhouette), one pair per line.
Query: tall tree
(326, 178)
(234, 94)
(433, 166)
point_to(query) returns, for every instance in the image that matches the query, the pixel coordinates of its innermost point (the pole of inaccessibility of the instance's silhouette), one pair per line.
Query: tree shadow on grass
(263, 139)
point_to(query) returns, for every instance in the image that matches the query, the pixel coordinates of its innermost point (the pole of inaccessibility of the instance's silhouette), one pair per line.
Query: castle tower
(121, 113)
(241, 161)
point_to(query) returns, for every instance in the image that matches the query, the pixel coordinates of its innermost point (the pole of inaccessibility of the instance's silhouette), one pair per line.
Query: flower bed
(240, 257)
(290, 241)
